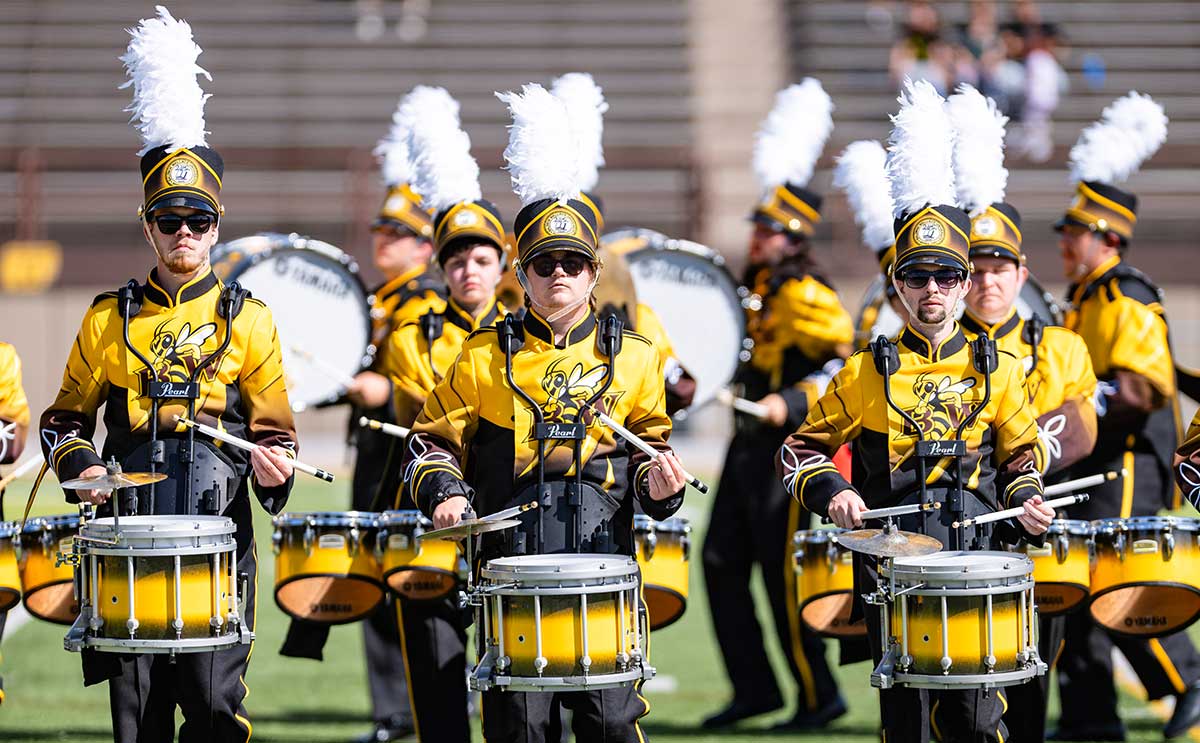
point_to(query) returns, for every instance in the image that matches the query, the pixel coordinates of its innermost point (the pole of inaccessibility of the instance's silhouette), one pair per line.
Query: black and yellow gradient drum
(825, 583)
(663, 553)
(10, 575)
(327, 569)
(413, 568)
(49, 590)
(1062, 567)
(1146, 575)
(202, 596)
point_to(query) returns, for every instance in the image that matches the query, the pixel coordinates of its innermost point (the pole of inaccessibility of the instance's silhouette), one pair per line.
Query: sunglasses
(169, 224)
(946, 279)
(544, 265)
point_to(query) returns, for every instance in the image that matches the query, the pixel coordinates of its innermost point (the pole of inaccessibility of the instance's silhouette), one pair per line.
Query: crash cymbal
(468, 527)
(894, 543)
(114, 480)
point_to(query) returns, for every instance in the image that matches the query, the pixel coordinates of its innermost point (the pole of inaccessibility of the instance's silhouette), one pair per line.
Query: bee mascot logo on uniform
(940, 406)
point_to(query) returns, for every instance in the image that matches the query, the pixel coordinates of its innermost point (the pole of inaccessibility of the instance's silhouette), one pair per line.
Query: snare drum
(327, 566)
(560, 622)
(10, 576)
(158, 584)
(49, 589)
(1145, 575)
(417, 569)
(663, 551)
(1062, 567)
(960, 620)
(825, 583)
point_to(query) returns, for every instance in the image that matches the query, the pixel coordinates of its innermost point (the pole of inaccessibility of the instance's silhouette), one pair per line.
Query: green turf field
(305, 701)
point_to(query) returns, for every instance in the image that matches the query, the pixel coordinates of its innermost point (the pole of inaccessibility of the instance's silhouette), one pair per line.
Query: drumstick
(741, 404)
(391, 429)
(307, 469)
(27, 466)
(1083, 482)
(883, 513)
(324, 367)
(1008, 513)
(649, 451)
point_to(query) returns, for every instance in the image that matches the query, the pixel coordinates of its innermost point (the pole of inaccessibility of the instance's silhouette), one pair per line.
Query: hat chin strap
(523, 279)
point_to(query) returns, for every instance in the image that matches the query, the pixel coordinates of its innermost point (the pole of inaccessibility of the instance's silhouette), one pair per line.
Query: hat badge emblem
(985, 226)
(560, 223)
(181, 172)
(395, 204)
(929, 232)
(465, 218)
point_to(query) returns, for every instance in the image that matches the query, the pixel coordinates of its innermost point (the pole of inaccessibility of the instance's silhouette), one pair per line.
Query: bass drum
(698, 301)
(876, 316)
(319, 303)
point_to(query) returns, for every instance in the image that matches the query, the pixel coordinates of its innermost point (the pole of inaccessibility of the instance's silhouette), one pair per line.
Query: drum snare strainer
(561, 621)
(954, 620)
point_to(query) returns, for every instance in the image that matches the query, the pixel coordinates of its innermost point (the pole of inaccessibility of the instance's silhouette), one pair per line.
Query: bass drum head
(688, 287)
(319, 304)
(1032, 300)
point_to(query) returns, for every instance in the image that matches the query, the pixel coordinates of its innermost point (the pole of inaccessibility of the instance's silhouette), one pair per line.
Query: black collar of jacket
(455, 315)
(536, 326)
(1120, 270)
(972, 324)
(194, 289)
(917, 343)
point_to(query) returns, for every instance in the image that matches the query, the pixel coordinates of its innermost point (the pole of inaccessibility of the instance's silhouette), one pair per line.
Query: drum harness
(512, 339)
(129, 304)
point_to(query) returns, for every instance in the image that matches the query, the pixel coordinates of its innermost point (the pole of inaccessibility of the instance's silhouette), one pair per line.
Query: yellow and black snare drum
(825, 583)
(663, 552)
(10, 575)
(560, 622)
(1146, 575)
(327, 566)
(414, 568)
(1062, 567)
(48, 586)
(158, 584)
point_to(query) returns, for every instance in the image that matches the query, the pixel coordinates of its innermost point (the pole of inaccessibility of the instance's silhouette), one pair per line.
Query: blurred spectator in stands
(1045, 82)
(922, 53)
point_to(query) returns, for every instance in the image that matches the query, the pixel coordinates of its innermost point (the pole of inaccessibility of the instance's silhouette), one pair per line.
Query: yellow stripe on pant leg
(1164, 660)
(1127, 486)
(933, 719)
(253, 625)
(412, 705)
(793, 613)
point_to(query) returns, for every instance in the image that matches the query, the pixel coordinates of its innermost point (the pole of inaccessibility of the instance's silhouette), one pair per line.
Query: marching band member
(937, 383)
(185, 329)
(14, 424)
(471, 252)
(801, 327)
(475, 443)
(585, 104)
(1118, 312)
(860, 172)
(1059, 382)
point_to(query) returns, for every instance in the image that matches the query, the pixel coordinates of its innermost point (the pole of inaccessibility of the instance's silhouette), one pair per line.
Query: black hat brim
(928, 259)
(191, 202)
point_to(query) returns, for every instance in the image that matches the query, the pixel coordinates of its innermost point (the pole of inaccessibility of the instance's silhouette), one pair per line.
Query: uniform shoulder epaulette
(1138, 286)
(103, 296)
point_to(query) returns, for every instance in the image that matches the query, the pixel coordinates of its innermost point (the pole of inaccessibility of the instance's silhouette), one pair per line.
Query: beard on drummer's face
(183, 252)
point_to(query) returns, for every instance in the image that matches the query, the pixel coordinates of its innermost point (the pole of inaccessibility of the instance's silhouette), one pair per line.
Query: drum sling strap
(608, 340)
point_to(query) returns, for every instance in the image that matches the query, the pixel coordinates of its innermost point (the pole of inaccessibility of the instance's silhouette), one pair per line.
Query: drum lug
(1061, 544)
(380, 540)
(1119, 546)
(355, 541)
(649, 543)
(277, 541)
(831, 557)
(310, 536)
(132, 625)
(686, 543)
(1168, 547)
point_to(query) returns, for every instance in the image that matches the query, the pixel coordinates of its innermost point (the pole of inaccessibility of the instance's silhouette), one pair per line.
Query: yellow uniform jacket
(1187, 463)
(476, 429)
(14, 408)
(938, 387)
(241, 392)
(1059, 383)
(415, 366)
(1118, 312)
(404, 298)
(802, 325)
(681, 385)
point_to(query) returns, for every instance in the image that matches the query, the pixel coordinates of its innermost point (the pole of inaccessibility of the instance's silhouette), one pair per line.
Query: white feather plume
(980, 177)
(168, 104)
(1131, 129)
(444, 172)
(542, 151)
(920, 164)
(586, 107)
(791, 138)
(860, 172)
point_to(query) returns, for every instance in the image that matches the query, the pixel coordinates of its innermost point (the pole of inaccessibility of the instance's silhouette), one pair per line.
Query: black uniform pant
(752, 523)
(1025, 717)
(434, 643)
(606, 716)
(208, 687)
(1165, 666)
